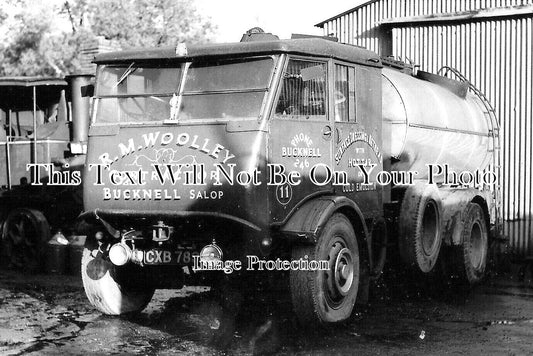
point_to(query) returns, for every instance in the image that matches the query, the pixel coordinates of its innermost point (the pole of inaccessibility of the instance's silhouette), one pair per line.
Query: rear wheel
(327, 296)
(420, 227)
(24, 236)
(472, 254)
(105, 293)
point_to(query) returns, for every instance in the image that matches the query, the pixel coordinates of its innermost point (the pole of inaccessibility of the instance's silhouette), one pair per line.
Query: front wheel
(327, 295)
(105, 292)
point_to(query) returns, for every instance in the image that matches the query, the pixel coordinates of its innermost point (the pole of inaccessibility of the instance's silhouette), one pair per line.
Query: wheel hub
(21, 241)
(476, 246)
(343, 271)
(429, 229)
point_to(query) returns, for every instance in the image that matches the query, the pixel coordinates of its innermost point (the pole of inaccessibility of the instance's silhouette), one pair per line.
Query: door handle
(327, 132)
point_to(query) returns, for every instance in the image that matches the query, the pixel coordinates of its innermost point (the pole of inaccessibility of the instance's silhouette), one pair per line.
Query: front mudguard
(306, 223)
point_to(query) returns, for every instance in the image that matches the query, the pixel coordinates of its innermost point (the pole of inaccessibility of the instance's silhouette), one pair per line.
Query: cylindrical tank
(80, 106)
(430, 124)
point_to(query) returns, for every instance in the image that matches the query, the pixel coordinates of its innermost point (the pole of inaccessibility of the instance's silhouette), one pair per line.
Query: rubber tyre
(104, 293)
(471, 255)
(379, 234)
(316, 297)
(25, 233)
(420, 236)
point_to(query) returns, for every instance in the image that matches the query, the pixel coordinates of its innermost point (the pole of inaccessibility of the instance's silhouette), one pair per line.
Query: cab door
(301, 134)
(356, 109)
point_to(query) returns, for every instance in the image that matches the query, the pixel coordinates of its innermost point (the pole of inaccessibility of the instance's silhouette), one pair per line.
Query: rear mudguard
(454, 203)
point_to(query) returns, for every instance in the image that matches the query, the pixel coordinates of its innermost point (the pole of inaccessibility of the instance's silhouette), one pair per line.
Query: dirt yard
(49, 314)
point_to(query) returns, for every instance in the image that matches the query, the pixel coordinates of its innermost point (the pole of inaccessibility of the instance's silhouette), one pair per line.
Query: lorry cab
(273, 107)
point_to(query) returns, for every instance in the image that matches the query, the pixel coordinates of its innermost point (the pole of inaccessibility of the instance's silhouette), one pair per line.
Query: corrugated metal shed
(490, 43)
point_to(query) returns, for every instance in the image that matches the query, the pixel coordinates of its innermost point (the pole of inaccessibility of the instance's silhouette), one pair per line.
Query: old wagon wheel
(24, 234)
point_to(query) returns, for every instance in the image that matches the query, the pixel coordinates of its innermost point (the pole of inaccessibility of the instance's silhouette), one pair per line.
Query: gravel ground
(49, 315)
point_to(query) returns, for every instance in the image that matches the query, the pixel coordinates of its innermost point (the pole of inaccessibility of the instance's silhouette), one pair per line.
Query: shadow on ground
(50, 315)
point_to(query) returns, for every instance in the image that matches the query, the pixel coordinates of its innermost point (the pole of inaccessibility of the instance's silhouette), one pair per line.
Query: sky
(234, 17)
(280, 17)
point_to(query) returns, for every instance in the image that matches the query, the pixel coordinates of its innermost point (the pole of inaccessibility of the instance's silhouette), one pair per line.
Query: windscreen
(186, 91)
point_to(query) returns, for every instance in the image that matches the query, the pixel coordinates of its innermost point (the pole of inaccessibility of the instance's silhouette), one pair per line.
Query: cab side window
(303, 90)
(344, 93)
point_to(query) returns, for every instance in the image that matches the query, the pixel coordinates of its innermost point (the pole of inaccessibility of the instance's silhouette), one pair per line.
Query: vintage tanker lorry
(229, 163)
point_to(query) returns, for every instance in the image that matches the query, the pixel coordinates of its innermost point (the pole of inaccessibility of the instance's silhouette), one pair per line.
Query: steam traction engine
(43, 141)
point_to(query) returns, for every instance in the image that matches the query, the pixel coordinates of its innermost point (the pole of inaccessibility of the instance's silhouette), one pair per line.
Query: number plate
(182, 257)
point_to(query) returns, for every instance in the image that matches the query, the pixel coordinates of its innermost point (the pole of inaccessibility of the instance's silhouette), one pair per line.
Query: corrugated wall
(495, 54)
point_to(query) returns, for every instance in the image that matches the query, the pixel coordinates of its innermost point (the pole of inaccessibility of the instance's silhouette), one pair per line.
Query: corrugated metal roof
(31, 81)
(308, 46)
(321, 24)
(522, 11)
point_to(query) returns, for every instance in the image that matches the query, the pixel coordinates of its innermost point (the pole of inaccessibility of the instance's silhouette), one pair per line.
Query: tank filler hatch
(458, 88)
